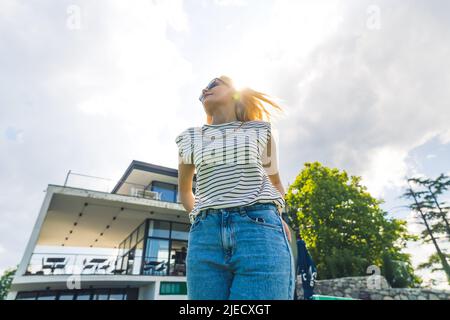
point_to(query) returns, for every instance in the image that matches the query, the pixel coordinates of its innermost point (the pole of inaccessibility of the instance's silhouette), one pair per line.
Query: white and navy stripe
(232, 167)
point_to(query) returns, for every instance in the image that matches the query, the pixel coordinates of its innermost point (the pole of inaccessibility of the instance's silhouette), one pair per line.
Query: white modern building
(129, 243)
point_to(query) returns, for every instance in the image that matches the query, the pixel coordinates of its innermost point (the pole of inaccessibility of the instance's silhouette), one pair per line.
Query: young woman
(238, 246)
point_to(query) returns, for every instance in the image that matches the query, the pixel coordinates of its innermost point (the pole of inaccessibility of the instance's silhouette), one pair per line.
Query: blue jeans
(239, 253)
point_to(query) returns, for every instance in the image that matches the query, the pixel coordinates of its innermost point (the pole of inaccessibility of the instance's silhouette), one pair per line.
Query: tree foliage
(5, 282)
(433, 216)
(343, 226)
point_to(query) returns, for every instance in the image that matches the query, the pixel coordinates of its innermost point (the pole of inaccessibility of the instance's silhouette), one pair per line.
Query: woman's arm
(276, 181)
(186, 169)
(269, 159)
(185, 176)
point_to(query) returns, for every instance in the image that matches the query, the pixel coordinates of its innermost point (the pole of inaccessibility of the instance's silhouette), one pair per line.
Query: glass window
(118, 264)
(130, 261)
(177, 265)
(101, 294)
(121, 248)
(141, 232)
(83, 295)
(47, 296)
(167, 190)
(26, 296)
(131, 253)
(116, 294)
(156, 257)
(158, 228)
(139, 248)
(124, 263)
(138, 257)
(127, 244)
(134, 238)
(66, 296)
(131, 241)
(180, 231)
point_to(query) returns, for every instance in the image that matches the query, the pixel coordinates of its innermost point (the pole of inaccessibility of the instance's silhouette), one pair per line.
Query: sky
(89, 86)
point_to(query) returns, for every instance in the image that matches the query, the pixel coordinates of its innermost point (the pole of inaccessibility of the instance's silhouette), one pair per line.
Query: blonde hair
(249, 103)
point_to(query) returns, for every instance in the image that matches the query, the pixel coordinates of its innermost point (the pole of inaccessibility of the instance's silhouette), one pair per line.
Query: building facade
(129, 243)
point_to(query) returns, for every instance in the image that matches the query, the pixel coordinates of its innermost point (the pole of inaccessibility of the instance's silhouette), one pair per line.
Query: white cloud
(387, 168)
(14, 134)
(444, 137)
(357, 98)
(90, 99)
(233, 3)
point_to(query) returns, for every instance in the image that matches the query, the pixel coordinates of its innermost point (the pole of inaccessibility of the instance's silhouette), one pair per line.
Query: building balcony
(140, 180)
(109, 237)
(53, 264)
(131, 235)
(87, 232)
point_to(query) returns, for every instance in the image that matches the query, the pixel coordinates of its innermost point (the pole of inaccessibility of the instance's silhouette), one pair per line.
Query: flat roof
(144, 166)
(83, 218)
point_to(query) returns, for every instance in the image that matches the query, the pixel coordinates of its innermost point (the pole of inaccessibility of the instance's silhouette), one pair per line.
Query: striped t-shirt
(232, 166)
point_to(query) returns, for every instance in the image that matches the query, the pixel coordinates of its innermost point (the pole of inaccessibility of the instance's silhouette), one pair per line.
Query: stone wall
(371, 288)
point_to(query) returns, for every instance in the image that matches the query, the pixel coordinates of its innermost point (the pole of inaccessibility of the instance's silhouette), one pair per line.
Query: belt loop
(204, 212)
(242, 211)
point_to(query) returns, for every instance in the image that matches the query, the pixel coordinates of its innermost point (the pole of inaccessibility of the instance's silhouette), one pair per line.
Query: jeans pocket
(197, 221)
(265, 217)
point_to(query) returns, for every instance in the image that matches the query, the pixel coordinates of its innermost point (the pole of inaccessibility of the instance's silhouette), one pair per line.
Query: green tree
(5, 282)
(433, 263)
(436, 211)
(342, 224)
(435, 222)
(397, 270)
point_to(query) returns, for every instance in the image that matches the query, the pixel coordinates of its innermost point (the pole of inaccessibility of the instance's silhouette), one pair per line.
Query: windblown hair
(249, 103)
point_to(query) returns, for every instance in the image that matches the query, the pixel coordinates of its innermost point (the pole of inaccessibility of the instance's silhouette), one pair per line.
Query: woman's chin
(209, 104)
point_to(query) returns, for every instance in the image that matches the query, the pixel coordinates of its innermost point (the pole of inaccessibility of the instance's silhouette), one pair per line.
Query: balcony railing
(83, 181)
(93, 264)
(64, 264)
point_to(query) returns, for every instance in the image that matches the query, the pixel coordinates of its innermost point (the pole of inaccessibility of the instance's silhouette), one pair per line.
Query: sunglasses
(213, 83)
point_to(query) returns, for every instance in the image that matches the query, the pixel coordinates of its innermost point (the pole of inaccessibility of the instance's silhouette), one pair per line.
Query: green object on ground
(322, 297)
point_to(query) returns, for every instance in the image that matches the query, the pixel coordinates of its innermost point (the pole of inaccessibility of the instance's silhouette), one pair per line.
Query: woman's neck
(218, 119)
